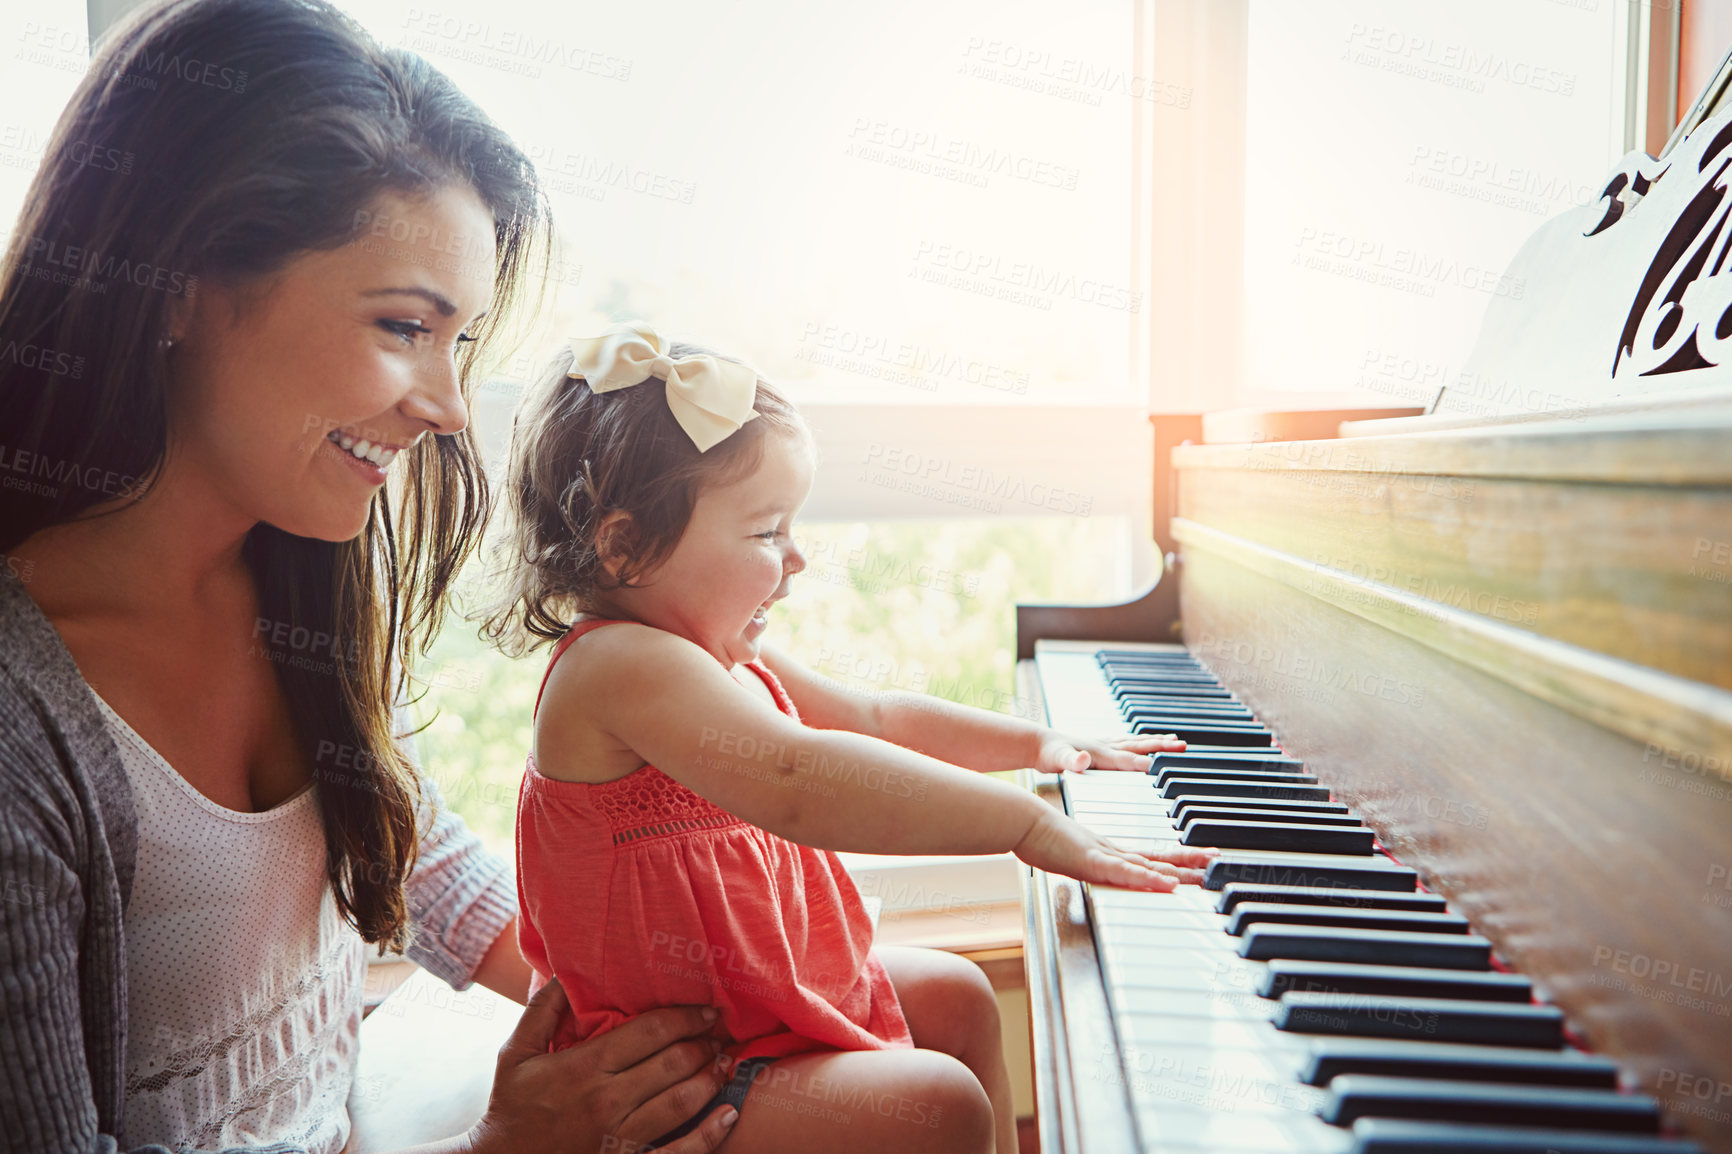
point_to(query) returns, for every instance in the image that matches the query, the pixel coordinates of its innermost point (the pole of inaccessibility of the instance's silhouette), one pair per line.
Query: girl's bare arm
(677, 708)
(964, 735)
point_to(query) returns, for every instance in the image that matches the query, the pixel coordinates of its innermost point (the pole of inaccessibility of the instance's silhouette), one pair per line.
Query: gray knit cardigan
(68, 846)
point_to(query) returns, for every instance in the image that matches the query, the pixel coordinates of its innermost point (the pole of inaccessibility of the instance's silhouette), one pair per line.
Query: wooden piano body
(1504, 640)
(1510, 647)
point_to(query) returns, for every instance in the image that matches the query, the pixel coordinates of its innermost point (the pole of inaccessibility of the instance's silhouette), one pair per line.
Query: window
(915, 220)
(1395, 161)
(47, 53)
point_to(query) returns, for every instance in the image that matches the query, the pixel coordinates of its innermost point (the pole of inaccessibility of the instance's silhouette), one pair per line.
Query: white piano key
(1183, 1061)
(1231, 1032)
(1077, 698)
(1217, 1125)
(1144, 841)
(1215, 1004)
(1198, 982)
(1203, 960)
(1100, 782)
(1175, 918)
(1185, 897)
(1155, 937)
(1149, 825)
(1134, 808)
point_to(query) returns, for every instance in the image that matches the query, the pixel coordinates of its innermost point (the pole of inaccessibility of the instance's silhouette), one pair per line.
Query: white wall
(1398, 153)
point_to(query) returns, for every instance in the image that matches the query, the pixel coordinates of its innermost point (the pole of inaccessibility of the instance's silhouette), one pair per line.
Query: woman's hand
(1060, 753)
(1059, 845)
(616, 1092)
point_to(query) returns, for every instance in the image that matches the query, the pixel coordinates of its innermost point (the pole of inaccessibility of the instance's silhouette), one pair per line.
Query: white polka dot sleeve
(461, 897)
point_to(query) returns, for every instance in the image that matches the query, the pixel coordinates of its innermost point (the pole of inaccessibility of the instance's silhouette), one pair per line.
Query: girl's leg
(951, 1008)
(864, 1102)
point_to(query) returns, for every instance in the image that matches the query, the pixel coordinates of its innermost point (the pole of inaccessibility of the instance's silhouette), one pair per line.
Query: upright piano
(1458, 693)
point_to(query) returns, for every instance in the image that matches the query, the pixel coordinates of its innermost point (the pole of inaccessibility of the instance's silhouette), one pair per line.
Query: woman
(258, 265)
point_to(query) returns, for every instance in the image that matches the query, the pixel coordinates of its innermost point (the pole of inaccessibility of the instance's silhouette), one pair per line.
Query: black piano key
(1135, 709)
(1175, 719)
(1286, 974)
(1275, 776)
(1147, 657)
(1120, 687)
(1364, 874)
(1166, 710)
(1274, 835)
(1422, 1019)
(1158, 662)
(1202, 694)
(1320, 896)
(1305, 817)
(1115, 669)
(1189, 695)
(1197, 719)
(1331, 1057)
(1190, 687)
(1204, 748)
(1401, 1136)
(1129, 660)
(1354, 1096)
(1263, 943)
(1205, 787)
(1414, 921)
(1185, 806)
(1220, 735)
(1168, 715)
(1202, 757)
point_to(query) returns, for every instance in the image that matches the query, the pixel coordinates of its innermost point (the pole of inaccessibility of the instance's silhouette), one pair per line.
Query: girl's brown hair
(222, 139)
(577, 456)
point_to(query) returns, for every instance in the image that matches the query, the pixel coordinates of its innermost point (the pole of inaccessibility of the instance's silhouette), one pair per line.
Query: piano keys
(1307, 998)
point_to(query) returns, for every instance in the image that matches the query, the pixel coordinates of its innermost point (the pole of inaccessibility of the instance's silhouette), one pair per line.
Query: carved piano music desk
(1458, 689)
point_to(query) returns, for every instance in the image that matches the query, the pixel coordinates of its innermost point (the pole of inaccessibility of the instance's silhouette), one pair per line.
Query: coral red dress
(638, 893)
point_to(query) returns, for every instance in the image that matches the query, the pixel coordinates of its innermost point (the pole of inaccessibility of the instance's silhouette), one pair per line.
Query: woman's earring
(165, 344)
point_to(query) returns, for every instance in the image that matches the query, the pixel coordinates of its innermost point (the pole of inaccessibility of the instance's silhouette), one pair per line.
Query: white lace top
(244, 985)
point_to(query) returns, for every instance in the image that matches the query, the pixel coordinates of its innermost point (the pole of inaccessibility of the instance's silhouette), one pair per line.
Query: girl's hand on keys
(1059, 845)
(1060, 753)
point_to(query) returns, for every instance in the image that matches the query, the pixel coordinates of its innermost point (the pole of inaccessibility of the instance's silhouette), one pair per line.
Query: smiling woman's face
(356, 344)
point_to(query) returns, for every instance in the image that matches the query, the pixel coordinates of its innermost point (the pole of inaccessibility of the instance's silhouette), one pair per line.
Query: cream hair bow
(709, 397)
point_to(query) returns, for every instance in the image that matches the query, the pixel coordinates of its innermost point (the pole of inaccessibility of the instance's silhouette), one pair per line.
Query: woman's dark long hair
(221, 139)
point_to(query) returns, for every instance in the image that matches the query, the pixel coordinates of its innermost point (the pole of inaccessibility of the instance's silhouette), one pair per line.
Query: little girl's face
(736, 556)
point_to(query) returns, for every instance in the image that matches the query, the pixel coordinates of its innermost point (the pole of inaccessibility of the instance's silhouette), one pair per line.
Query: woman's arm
(462, 899)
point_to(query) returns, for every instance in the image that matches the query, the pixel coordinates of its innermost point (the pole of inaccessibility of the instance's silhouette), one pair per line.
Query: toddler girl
(688, 783)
